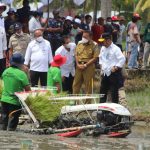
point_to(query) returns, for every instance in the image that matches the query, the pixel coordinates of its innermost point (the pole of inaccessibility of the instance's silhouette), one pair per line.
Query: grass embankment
(138, 94)
(139, 104)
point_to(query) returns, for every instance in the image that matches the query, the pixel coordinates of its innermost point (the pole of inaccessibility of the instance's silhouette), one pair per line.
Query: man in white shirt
(39, 56)
(3, 48)
(111, 60)
(2, 9)
(34, 23)
(68, 69)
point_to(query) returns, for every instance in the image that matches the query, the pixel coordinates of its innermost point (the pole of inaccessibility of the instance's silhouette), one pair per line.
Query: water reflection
(138, 140)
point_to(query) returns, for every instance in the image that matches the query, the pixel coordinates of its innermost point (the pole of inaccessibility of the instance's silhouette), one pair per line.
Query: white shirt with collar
(2, 22)
(110, 57)
(69, 66)
(3, 42)
(33, 25)
(39, 55)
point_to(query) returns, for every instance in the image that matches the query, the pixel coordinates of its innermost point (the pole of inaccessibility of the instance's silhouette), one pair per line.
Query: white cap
(77, 21)
(69, 18)
(3, 5)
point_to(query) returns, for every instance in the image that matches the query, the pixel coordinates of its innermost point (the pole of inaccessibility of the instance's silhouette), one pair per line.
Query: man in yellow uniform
(86, 54)
(18, 41)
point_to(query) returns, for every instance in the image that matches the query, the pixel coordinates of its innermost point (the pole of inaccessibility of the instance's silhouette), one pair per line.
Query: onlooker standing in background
(108, 26)
(24, 15)
(147, 45)
(86, 25)
(67, 25)
(55, 29)
(3, 48)
(121, 32)
(68, 69)
(116, 29)
(137, 17)
(34, 23)
(18, 41)
(134, 38)
(75, 30)
(9, 28)
(2, 9)
(38, 56)
(98, 29)
(10, 22)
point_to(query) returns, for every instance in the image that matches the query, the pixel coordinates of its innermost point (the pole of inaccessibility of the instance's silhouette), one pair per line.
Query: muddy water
(138, 140)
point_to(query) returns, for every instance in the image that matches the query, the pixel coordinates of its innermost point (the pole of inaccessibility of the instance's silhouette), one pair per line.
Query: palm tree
(142, 5)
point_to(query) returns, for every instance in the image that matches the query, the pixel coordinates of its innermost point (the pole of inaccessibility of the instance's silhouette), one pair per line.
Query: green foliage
(44, 109)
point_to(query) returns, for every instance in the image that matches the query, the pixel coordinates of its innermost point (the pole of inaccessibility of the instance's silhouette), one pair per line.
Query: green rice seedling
(45, 109)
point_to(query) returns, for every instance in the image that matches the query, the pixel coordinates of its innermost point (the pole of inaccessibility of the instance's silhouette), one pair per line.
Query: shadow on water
(138, 140)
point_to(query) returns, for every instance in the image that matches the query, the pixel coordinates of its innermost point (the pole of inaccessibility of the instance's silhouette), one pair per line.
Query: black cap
(17, 26)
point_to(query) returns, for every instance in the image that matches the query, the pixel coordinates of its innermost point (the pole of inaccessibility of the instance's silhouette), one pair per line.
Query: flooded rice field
(139, 139)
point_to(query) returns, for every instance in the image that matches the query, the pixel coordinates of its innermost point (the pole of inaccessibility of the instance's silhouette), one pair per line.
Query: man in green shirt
(54, 78)
(15, 80)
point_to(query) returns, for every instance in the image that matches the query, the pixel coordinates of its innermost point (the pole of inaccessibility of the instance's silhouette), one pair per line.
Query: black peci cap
(17, 26)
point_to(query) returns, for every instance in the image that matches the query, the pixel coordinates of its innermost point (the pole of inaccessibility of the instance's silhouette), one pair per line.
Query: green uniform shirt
(54, 76)
(14, 81)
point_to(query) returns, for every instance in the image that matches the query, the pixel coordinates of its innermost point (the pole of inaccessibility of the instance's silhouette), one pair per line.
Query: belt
(82, 62)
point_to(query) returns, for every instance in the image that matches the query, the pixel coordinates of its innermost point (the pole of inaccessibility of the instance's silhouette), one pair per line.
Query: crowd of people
(62, 52)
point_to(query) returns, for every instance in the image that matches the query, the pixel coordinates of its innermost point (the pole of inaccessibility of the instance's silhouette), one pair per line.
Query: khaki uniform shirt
(19, 43)
(85, 52)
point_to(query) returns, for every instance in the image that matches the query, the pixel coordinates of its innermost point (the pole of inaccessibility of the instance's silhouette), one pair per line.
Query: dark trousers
(67, 84)
(35, 76)
(55, 44)
(2, 65)
(111, 83)
(9, 122)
